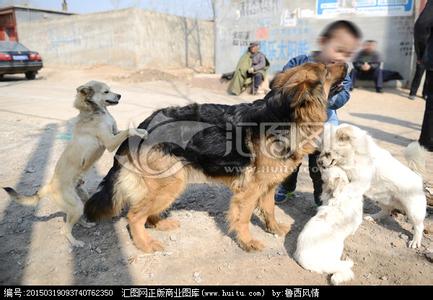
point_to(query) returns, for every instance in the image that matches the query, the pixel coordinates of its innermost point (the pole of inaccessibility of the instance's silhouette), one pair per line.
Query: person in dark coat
(423, 35)
(416, 81)
(366, 65)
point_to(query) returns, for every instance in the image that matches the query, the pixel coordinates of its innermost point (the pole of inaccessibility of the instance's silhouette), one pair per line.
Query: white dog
(95, 131)
(393, 185)
(321, 242)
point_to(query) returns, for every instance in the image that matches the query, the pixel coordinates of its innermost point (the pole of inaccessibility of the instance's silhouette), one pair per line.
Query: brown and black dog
(250, 147)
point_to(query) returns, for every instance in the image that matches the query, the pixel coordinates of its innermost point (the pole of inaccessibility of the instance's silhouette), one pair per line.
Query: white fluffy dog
(393, 185)
(321, 242)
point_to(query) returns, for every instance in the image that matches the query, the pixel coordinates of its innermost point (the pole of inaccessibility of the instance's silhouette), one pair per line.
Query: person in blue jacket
(338, 43)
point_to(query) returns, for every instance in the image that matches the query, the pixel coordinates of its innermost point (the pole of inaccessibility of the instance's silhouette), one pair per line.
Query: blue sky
(191, 8)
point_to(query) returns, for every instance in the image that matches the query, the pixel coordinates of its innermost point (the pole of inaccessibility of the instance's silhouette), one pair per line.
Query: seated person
(366, 65)
(251, 70)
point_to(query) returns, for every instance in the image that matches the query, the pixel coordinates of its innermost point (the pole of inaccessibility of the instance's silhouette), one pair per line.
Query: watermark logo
(184, 141)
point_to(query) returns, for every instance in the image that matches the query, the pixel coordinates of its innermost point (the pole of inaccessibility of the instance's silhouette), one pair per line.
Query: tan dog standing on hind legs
(94, 131)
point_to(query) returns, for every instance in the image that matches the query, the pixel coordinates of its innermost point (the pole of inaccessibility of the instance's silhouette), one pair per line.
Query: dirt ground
(36, 125)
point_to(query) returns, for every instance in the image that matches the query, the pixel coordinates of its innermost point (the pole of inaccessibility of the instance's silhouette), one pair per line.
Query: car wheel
(30, 75)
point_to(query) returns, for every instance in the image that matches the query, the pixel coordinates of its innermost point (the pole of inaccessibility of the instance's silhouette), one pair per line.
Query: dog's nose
(118, 96)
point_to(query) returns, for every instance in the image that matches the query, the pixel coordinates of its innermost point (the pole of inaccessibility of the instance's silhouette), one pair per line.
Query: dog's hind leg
(73, 207)
(239, 215)
(141, 238)
(267, 206)
(378, 216)
(168, 190)
(342, 272)
(385, 211)
(416, 212)
(161, 194)
(417, 236)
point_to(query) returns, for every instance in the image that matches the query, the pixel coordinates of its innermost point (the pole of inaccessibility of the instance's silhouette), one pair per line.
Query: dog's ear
(86, 91)
(305, 91)
(344, 134)
(83, 100)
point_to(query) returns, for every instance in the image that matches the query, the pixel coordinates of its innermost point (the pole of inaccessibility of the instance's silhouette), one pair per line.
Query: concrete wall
(287, 28)
(131, 38)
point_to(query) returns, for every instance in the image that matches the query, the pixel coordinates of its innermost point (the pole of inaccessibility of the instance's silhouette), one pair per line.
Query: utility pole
(65, 5)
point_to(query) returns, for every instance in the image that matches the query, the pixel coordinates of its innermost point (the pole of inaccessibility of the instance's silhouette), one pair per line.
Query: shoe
(282, 195)
(379, 90)
(412, 97)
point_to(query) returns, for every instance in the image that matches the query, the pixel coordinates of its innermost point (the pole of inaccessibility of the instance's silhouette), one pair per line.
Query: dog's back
(196, 133)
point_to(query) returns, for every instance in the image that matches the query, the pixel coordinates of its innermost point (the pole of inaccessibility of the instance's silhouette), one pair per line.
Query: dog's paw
(142, 133)
(86, 224)
(252, 245)
(150, 246)
(279, 229)
(369, 219)
(167, 224)
(414, 244)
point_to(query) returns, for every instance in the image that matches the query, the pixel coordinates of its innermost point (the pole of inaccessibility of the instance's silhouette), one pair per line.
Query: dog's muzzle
(114, 101)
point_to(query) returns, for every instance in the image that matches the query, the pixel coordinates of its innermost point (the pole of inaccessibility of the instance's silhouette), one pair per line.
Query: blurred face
(370, 46)
(340, 48)
(254, 49)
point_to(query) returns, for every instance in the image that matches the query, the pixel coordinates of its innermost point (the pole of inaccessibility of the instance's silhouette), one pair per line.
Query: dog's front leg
(239, 215)
(267, 206)
(111, 141)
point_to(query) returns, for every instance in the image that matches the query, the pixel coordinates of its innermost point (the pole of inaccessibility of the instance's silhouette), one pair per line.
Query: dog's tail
(415, 155)
(343, 272)
(28, 200)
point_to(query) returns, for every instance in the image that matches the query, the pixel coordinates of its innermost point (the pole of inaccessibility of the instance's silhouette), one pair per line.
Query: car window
(12, 46)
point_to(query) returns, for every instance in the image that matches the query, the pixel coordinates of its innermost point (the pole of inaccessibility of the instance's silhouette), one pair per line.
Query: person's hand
(251, 70)
(336, 89)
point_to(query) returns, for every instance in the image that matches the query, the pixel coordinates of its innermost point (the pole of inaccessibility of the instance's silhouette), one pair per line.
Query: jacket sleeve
(375, 63)
(340, 98)
(261, 62)
(296, 61)
(357, 63)
(422, 29)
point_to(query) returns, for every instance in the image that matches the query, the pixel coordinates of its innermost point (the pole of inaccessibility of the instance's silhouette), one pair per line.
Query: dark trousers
(416, 81)
(426, 137)
(257, 80)
(375, 74)
(290, 182)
